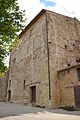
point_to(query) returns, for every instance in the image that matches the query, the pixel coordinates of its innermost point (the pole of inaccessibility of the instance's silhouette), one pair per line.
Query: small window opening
(9, 83)
(24, 85)
(78, 73)
(49, 42)
(68, 64)
(65, 46)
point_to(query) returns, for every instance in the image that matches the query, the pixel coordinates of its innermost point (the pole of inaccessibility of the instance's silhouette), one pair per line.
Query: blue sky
(48, 3)
(66, 7)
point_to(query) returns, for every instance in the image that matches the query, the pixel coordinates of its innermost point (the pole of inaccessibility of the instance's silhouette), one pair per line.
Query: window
(9, 83)
(78, 73)
(24, 85)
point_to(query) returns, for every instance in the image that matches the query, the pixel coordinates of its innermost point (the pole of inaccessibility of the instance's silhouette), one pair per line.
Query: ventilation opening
(49, 42)
(65, 46)
(68, 65)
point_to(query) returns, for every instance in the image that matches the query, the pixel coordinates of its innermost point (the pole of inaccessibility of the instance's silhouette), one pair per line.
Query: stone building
(45, 69)
(3, 87)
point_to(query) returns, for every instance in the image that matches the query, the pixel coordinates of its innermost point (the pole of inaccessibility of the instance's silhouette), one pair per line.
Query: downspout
(48, 61)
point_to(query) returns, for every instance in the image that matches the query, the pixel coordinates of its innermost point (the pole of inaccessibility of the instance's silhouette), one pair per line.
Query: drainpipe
(48, 62)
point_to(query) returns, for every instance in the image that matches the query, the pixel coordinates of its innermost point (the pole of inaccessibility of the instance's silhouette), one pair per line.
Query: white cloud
(68, 7)
(60, 10)
(32, 7)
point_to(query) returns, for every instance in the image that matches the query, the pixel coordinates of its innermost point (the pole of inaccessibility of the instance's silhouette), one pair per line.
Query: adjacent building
(45, 69)
(3, 87)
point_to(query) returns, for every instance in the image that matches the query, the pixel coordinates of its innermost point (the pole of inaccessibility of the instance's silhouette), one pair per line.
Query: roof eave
(32, 22)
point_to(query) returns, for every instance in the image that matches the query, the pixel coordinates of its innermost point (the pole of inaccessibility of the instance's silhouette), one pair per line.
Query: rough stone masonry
(45, 69)
(3, 87)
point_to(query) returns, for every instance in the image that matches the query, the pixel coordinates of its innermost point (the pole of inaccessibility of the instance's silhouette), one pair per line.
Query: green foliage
(2, 74)
(11, 23)
(16, 43)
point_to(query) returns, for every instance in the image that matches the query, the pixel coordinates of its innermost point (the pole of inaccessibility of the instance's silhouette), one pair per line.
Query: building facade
(45, 69)
(3, 87)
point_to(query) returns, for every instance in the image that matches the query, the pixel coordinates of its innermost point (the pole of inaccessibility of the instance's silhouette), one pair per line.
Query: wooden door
(33, 94)
(77, 96)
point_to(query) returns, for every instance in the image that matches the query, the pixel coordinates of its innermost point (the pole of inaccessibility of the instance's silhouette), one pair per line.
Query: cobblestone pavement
(11, 111)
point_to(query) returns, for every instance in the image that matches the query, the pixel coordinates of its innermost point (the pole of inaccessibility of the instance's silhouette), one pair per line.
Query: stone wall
(67, 81)
(64, 49)
(3, 87)
(30, 63)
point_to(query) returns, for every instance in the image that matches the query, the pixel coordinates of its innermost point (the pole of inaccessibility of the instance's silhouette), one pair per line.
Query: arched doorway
(9, 95)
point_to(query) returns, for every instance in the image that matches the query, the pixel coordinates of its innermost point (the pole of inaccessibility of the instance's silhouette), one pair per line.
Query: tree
(11, 23)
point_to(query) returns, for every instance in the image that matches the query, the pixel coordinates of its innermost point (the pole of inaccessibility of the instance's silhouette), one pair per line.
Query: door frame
(77, 96)
(33, 94)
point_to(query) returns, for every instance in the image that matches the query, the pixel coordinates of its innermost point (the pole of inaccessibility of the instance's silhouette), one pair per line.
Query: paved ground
(12, 111)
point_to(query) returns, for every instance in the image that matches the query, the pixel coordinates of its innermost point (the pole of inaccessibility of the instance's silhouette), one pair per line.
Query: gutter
(48, 57)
